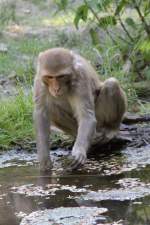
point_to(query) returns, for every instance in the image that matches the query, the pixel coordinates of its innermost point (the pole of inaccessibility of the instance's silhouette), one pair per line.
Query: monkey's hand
(79, 157)
(99, 137)
(45, 165)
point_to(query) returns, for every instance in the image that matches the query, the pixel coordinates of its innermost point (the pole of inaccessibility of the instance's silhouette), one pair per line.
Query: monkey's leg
(110, 107)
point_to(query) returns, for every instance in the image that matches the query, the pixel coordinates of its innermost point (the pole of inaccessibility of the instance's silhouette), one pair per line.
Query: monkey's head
(55, 69)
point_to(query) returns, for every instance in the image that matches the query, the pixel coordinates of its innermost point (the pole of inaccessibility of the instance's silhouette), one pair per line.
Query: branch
(142, 18)
(121, 38)
(125, 29)
(98, 19)
(113, 40)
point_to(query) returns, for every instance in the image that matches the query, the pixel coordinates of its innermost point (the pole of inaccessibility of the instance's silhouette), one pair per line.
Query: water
(113, 187)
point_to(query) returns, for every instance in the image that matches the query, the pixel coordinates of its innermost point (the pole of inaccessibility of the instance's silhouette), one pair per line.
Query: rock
(131, 118)
(127, 66)
(65, 215)
(3, 81)
(3, 48)
(27, 11)
(12, 76)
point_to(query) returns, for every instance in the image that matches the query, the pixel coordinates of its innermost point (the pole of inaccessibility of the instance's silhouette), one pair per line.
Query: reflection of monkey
(68, 94)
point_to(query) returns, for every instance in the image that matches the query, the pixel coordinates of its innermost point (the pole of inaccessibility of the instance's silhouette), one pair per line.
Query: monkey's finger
(83, 161)
(72, 162)
(77, 162)
(76, 165)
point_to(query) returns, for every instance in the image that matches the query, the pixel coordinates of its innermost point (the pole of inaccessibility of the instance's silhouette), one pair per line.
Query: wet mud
(112, 188)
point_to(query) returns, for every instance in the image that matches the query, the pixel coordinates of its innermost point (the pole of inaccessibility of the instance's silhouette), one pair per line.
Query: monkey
(69, 95)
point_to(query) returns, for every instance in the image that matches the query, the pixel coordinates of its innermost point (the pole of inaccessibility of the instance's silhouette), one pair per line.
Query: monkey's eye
(48, 77)
(64, 77)
(61, 76)
(45, 80)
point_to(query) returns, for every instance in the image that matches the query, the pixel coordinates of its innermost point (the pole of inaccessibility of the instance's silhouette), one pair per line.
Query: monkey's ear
(77, 64)
(40, 56)
(39, 62)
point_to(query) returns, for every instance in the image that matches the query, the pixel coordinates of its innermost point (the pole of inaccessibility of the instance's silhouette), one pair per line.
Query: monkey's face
(57, 85)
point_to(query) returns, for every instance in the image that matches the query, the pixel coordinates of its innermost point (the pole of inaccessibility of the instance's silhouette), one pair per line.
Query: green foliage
(130, 32)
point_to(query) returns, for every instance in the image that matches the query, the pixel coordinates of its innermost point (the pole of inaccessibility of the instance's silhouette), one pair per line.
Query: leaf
(62, 4)
(103, 4)
(92, 3)
(94, 37)
(130, 22)
(120, 6)
(81, 14)
(147, 72)
(145, 46)
(146, 7)
(106, 21)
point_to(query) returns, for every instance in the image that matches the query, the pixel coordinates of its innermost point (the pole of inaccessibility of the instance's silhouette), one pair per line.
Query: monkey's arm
(83, 109)
(42, 125)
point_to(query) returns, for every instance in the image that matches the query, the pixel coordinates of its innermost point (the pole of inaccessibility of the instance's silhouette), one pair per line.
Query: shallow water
(113, 187)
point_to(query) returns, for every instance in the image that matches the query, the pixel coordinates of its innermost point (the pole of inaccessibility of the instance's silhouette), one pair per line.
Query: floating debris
(131, 189)
(20, 214)
(2, 196)
(17, 158)
(31, 190)
(129, 159)
(49, 189)
(131, 182)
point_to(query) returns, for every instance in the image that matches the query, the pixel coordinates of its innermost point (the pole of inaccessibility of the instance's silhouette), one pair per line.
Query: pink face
(57, 85)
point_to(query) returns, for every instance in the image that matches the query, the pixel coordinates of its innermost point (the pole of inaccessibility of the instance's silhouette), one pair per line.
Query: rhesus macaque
(69, 95)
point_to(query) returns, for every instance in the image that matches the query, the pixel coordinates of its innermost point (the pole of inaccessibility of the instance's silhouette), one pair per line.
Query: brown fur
(69, 94)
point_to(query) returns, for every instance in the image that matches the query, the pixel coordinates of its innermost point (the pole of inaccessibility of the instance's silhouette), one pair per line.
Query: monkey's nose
(57, 91)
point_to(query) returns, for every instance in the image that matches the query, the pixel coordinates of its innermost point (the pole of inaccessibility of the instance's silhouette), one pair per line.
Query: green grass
(22, 53)
(7, 12)
(16, 120)
(21, 56)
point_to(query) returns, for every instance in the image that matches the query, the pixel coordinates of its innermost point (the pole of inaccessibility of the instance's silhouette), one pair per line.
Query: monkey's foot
(46, 165)
(104, 136)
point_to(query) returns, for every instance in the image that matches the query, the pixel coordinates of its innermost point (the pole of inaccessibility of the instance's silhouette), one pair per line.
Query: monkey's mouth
(56, 95)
